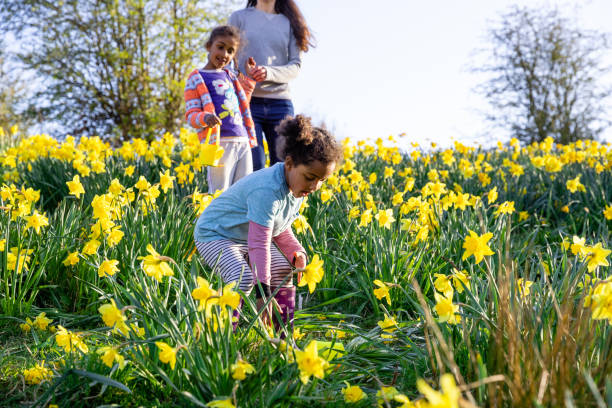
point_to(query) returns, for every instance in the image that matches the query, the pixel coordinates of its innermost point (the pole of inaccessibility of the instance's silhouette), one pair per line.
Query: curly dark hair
(304, 143)
(224, 31)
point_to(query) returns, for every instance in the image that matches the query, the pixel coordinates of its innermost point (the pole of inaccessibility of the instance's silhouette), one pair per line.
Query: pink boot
(236, 315)
(285, 297)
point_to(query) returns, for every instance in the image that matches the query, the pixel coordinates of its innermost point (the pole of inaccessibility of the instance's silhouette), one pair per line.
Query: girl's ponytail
(296, 130)
(305, 143)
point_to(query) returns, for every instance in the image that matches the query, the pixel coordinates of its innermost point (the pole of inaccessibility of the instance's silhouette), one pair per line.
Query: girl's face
(304, 179)
(221, 52)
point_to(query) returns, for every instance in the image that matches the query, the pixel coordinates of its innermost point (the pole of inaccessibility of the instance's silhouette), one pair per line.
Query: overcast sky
(396, 66)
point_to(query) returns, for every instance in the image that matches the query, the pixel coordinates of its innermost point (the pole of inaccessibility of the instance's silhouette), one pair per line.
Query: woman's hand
(211, 120)
(258, 73)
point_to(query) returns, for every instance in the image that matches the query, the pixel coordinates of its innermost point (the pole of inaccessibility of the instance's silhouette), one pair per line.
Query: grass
(510, 342)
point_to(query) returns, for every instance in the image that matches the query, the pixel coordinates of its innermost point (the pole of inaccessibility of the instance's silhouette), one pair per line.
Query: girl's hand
(259, 73)
(300, 263)
(300, 260)
(211, 120)
(250, 65)
(266, 315)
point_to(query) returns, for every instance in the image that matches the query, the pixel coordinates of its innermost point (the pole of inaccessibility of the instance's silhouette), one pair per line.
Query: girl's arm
(289, 245)
(245, 84)
(259, 241)
(200, 111)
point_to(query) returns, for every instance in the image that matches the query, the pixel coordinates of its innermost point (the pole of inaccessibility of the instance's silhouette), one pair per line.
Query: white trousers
(236, 163)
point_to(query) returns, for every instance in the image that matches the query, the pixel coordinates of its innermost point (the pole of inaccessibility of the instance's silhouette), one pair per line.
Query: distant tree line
(545, 76)
(116, 68)
(110, 67)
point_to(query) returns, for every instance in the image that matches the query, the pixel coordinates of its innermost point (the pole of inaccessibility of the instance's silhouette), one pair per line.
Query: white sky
(391, 66)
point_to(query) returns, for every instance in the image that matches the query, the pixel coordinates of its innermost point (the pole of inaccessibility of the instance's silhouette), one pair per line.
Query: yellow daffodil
(366, 218)
(166, 180)
(42, 321)
(597, 257)
(382, 291)
(607, 212)
(91, 247)
(108, 268)
(301, 224)
(167, 354)
(477, 245)
(574, 185)
(72, 259)
(109, 355)
(240, 370)
(312, 274)
(115, 188)
(372, 178)
(229, 297)
(142, 184)
(404, 400)
(442, 283)
(17, 259)
(326, 194)
(111, 315)
(446, 310)
(75, 187)
(448, 398)
(353, 394)
(155, 265)
(385, 395)
(309, 362)
(388, 325)
(461, 279)
(37, 221)
(226, 403)
(114, 237)
(37, 374)
(69, 340)
(523, 287)
(385, 218)
(27, 326)
(578, 246)
(601, 301)
(203, 293)
(507, 207)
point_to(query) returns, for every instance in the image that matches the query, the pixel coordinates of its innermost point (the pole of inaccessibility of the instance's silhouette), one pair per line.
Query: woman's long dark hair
(289, 9)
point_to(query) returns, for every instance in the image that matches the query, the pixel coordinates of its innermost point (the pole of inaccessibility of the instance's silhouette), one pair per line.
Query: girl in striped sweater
(214, 96)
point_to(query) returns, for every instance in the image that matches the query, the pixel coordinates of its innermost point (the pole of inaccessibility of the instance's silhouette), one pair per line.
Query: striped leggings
(231, 261)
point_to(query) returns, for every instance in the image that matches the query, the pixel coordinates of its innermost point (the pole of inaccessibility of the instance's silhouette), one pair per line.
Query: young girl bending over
(215, 97)
(248, 227)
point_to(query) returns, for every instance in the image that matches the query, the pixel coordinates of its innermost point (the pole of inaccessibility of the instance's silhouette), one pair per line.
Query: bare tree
(111, 67)
(12, 97)
(545, 76)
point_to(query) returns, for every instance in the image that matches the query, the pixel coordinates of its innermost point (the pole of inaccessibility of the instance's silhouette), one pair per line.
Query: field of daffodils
(461, 277)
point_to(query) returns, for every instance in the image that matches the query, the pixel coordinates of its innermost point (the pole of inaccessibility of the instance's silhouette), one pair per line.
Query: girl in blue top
(248, 227)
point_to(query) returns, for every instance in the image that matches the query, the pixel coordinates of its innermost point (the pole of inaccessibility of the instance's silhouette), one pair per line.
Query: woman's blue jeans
(267, 114)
